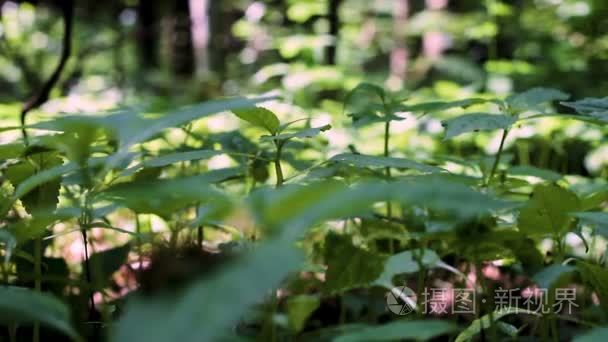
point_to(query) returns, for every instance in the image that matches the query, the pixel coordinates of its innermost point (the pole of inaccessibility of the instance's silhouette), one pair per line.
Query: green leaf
(25, 306)
(259, 117)
(299, 309)
(406, 262)
(400, 330)
(167, 196)
(361, 160)
(597, 277)
(9, 243)
(104, 264)
(595, 335)
(172, 158)
(305, 133)
(594, 107)
(547, 211)
(430, 107)
(42, 177)
(534, 97)
(528, 170)
(36, 180)
(205, 311)
(599, 219)
(548, 277)
(349, 266)
(484, 322)
(476, 122)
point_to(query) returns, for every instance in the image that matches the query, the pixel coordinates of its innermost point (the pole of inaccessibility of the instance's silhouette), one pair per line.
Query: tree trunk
(399, 54)
(333, 17)
(182, 50)
(148, 36)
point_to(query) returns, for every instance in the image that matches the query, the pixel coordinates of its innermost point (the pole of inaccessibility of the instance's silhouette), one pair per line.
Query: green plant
(286, 256)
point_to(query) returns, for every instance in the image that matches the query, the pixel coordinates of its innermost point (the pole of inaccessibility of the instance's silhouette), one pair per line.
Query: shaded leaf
(399, 330)
(406, 262)
(25, 306)
(349, 266)
(595, 335)
(548, 277)
(534, 97)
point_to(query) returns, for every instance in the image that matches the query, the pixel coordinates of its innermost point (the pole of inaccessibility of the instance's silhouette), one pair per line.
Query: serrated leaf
(533, 97)
(305, 133)
(476, 122)
(399, 330)
(589, 106)
(484, 322)
(361, 160)
(260, 117)
(430, 107)
(406, 262)
(349, 266)
(547, 211)
(172, 158)
(25, 306)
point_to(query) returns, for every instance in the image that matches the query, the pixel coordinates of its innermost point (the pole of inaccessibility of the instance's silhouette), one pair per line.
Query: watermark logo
(443, 301)
(401, 300)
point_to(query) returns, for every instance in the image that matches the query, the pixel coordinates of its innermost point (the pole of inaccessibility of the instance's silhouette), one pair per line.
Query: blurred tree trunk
(182, 50)
(333, 16)
(199, 13)
(222, 16)
(148, 33)
(399, 54)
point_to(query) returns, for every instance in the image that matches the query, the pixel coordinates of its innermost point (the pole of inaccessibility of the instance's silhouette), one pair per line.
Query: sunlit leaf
(476, 122)
(305, 133)
(361, 160)
(546, 212)
(484, 322)
(259, 117)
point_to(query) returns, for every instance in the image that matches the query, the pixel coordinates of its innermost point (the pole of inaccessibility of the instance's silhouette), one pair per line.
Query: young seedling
(264, 118)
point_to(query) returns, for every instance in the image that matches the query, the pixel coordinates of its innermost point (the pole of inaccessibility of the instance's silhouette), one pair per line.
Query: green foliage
(238, 252)
(546, 212)
(25, 306)
(415, 330)
(476, 122)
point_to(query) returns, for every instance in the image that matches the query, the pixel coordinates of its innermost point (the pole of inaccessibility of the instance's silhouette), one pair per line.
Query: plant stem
(505, 132)
(387, 127)
(200, 236)
(37, 281)
(277, 164)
